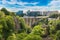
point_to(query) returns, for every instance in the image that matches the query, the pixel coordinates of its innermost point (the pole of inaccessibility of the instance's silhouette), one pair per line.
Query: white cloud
(0, 7)
(4, 1)
(24, 3)
(16, 2)
(7, 2)
(12, 2)
(53, 5)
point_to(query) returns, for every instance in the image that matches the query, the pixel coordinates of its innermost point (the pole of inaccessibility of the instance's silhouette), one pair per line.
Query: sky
(36, 5)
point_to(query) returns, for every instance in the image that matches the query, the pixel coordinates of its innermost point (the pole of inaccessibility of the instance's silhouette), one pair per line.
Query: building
(47, 13)
(41, 13)
(34, 13)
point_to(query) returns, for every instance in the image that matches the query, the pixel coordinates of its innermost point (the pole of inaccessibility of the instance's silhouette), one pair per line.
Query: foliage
(1, 32)
(22, 24)
(28, 29)
(44, 21)
(12, 37)
(53, 16)
(41, 21)
(43, 28)
(1, 14)
(5, 27)
(5, 11)
(33, 37)
(1, 28)
(58, 26)
(8, 26)
(38, 30)
(58, 35)
(52, 29)
(12, 14)
(10, 23)
(21, 36)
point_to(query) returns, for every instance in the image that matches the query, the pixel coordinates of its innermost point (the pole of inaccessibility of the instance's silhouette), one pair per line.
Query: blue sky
(15, 5)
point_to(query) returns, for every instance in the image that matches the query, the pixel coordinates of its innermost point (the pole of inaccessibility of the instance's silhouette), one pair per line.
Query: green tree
(54, 16)
(2, 14)
(1, 32)
(33, 37)
(22, 24)
(12, 13)
(8, 26)
(10, 23)
(12, 37)
(5, 27)
(52, 29)
(38, 30)
(41, 21)
(58, 26)
(21, 36)
(28, 29)
(58, 35)
(5, 11)
(44, 21)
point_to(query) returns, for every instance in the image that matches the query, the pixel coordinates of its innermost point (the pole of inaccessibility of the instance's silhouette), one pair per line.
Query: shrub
(33, 37)
(58, 35)
(12, 37)
(38, 30)
(21, 36)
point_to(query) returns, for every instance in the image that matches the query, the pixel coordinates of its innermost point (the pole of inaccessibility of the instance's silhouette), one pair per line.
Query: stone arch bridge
(31, 20)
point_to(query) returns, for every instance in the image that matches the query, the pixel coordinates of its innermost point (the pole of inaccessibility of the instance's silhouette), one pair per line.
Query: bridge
(31, 20)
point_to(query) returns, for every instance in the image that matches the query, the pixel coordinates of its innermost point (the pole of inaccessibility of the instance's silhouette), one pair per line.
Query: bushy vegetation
(32, 37)
(13, 27)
